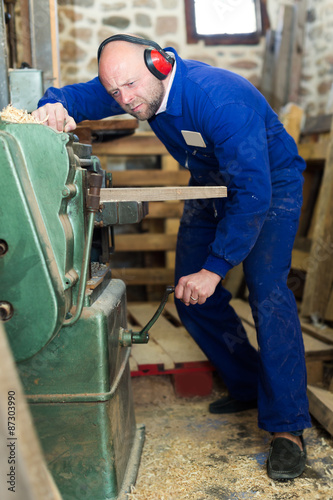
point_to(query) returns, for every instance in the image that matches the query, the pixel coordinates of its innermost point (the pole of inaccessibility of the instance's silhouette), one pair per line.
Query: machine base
(133, 463)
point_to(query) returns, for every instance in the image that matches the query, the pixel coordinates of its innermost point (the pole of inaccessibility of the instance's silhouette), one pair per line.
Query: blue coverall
(246, 148)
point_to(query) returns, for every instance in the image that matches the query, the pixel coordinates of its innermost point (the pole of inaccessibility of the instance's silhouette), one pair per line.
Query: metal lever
(128, 337)
(92, 205)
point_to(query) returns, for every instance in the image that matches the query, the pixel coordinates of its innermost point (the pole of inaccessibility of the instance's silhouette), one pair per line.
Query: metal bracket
(128, 337)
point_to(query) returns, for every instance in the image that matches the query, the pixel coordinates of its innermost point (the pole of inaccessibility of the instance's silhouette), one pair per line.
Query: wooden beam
(115, 123)
(329, 309)
(317, 124)
(284, 41)
(299, 259)
(151, 177)
(323, 334)
(54, 42)
(297, 55)
(319, 278)
(313, 151)
(162, 193)
(145, 242)
(147, 276)
(162, 209)
(291, 117)
(321, 406)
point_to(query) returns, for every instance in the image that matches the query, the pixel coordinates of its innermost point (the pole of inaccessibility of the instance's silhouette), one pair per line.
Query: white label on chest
(193, 138)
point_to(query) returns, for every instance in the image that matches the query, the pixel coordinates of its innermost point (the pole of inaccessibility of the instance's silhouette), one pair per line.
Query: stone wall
(83, 24)
(316, 90)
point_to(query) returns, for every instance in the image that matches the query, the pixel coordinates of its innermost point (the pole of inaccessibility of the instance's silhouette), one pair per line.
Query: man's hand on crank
(196, 288)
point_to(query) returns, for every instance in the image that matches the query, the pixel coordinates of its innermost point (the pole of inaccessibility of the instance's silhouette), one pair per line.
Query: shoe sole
(283, 477)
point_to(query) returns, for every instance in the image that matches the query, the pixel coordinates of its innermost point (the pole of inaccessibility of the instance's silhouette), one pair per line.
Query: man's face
(123, 73)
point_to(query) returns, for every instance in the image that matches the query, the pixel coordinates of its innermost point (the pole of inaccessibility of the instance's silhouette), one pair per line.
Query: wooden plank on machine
(175, 341)
(162, 193)
(321, 406)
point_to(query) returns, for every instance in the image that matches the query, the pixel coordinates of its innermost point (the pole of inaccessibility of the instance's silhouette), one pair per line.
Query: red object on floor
(190, 379)
(193, 384)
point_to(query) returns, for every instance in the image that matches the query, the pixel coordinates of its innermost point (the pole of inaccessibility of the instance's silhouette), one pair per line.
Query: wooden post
(319, 278)
(292, 117)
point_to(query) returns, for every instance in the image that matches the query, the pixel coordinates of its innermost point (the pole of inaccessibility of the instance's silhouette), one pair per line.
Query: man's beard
(150, 107)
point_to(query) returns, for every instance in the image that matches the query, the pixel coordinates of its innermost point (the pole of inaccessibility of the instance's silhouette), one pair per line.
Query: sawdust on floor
(192, 454)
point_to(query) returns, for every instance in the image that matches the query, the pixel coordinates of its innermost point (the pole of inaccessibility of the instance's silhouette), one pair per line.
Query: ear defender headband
(156, 59)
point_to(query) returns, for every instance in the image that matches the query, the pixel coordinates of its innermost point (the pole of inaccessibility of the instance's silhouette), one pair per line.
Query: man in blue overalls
(216, 124)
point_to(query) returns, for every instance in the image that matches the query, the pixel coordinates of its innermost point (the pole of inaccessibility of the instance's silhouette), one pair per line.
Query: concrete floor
(192, 454)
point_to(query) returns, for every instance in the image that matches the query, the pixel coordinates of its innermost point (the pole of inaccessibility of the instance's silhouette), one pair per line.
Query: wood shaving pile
(182, 473)
(14, 115)
(178, 464)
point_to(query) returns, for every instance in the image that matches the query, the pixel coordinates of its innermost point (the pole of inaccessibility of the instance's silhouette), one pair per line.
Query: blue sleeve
(83, 101)
(244, 165)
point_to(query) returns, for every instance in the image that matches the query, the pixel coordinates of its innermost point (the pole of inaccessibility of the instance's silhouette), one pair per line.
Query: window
(225, 21)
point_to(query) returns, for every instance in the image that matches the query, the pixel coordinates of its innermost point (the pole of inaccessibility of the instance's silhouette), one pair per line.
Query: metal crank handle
(128, 337)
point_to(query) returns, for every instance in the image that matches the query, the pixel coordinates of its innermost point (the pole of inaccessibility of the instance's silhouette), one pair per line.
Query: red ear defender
(157, 63)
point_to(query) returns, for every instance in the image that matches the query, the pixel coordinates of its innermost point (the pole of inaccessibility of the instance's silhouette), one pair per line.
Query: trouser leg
(282, 399)
(214, 325)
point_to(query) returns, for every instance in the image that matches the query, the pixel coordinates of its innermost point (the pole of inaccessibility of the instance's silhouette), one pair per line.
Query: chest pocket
(203, 165)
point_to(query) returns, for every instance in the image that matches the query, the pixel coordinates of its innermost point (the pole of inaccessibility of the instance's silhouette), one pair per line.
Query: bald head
(129, 38)
(123, 73)
(120, 54)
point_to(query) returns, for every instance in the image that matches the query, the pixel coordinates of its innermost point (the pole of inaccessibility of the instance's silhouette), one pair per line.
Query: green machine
(65, 317)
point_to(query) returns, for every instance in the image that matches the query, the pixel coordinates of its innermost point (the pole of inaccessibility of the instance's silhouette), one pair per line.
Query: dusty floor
(192, 454)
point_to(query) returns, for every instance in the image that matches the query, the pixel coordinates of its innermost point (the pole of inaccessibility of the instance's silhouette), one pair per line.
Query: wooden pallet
(171, 350)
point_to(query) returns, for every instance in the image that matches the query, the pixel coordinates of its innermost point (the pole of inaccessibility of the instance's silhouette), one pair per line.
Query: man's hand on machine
(196, 288)
(55, 116)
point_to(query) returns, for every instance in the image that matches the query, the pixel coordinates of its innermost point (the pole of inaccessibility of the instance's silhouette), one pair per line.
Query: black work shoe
(230, 405)
(285, 460)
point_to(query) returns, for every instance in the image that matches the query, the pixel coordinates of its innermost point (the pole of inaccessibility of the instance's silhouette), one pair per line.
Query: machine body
(74, 371)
